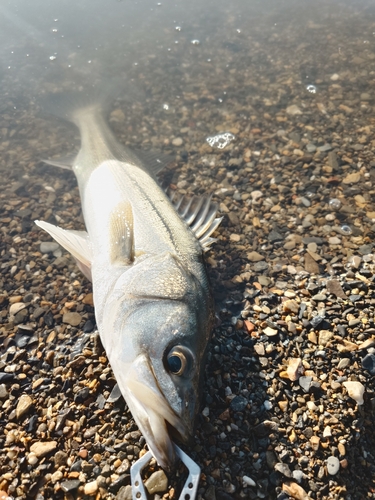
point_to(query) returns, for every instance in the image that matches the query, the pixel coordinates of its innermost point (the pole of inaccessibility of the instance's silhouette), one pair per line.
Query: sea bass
(144, 256)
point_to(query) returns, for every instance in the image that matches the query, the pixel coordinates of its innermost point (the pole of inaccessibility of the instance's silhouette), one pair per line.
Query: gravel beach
(271, 111)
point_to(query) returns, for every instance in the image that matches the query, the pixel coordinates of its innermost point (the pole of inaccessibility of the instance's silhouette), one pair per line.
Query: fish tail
(95, 98)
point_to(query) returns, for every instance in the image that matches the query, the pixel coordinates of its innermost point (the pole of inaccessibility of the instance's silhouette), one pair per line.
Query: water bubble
(195, 42)
(54, 30)
(238, 30)
(346, 230)
(220, 141)
(311, 88)
(334, 203)
(165, 106)
(178, 28)
(52, 58)
(55, 20)
(208, 60)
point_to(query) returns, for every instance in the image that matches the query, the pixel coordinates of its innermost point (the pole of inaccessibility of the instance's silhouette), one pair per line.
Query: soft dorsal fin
(199, 212)
(122, 234)
(75, 242)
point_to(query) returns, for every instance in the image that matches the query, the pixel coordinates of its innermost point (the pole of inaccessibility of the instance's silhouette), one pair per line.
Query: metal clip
(189, 491)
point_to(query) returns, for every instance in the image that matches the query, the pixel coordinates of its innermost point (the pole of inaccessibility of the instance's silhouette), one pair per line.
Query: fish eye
(179, 361)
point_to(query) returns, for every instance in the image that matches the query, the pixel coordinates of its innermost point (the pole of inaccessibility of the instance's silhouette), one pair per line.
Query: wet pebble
(333, 465)
(157, 482)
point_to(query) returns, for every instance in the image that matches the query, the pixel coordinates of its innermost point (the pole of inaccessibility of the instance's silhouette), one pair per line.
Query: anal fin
(122, 234)
(75, 242)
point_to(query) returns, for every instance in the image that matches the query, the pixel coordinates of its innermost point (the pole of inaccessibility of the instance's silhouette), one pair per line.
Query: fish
(143, 251)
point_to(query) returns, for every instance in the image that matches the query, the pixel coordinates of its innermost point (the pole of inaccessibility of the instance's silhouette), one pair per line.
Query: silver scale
(190, 488)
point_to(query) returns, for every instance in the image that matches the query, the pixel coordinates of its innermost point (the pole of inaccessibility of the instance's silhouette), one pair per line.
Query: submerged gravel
(288, 401)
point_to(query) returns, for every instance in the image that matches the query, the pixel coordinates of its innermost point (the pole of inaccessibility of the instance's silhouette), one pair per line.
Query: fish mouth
(154, 416)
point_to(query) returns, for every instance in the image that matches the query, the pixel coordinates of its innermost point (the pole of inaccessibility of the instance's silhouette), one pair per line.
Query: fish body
(153, 304)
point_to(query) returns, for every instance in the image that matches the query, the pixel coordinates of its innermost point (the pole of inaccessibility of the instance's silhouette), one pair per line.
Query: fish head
(162, 379)
(155, 330)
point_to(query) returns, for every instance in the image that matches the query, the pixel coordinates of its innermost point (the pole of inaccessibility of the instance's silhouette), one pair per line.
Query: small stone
(352, 178)
(70, 485)
(305, 383)
(16, 308)
(56, 476)
(238, 403)
(125, 493)
(368, 363)
(91, 488)
(343, 363)
(334, 287)
(315, 442)
(72, 318)
(88, 299)
(60, 458)
(355, 390)
(270, 332)
(283, 469)
(177, 141)
(311, 266)
(247, 481)
(298, 475)
(295, 369)
(42, 448)
(48, 246)
(333, 465)
(335, 77)
(157, 482)
(235, 237)
(334, 240)
(341, 449)
(3, 391)
(291, 306)
(326, 147)
(327, 432)
(295, 491)
(23, 406)
(325, 336)
(32, 459)
(293, 110)
(319, 297)
(254, 257)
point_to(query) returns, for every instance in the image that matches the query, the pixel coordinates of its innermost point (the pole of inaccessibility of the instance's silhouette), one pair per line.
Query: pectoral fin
(76, 242)
(122, 234)
(65, 162)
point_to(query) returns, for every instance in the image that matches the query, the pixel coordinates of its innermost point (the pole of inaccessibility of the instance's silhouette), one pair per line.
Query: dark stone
(274, 236)
(31, 426)
(82, 395)
(316, 320)
(355, 298)
(305, 383)
(121, 481)
(49, 319)
(6, 377)
(238, 403)
(70, 485)
(88, 326)
(77, 466)
(368, 363)
(38, 312)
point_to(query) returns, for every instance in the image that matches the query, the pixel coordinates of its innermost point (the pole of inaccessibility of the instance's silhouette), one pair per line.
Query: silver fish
(144, 255)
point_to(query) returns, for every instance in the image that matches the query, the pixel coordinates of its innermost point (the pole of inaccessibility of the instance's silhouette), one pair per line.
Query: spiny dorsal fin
(199, 212)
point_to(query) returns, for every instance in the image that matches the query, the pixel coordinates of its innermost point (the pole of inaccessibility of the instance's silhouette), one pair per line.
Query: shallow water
(290, 86)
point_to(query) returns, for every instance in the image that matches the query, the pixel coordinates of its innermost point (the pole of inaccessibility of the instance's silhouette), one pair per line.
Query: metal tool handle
(189, 491)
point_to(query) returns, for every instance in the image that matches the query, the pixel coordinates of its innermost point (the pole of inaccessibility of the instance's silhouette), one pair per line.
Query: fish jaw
(152, 412)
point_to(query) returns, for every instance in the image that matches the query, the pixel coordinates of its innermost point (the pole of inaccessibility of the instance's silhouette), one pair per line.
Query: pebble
(48, 246)
(333, 465)
(42, 448)
(293, 110)
(295, 369)
(16, 308)
(157, 482)
(254, 257)
(270, 332)
(238, 403)
(248, 481)
(24, 404)
(305, 382)
(355, 390)
(70, 485)
(91, 488)
(3, 391)
(368, 363)
(72, 318)
(178, 141)
(334, 240)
